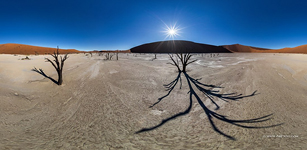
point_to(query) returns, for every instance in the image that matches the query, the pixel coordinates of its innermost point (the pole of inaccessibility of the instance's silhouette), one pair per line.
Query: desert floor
(102, 104)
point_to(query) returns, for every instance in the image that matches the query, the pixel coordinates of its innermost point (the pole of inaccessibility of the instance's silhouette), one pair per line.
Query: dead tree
(117, 55)
(182, 59)
(57, 63)
(108, 56)
(154, 57)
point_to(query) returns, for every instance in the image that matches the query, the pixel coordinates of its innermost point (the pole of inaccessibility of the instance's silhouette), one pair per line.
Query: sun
(171, 31)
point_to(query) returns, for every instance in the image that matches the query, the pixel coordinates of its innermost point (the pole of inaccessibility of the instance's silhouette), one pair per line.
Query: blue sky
(122, 24)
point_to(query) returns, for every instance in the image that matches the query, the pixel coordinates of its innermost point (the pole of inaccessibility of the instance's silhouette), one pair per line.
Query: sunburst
(171, 31)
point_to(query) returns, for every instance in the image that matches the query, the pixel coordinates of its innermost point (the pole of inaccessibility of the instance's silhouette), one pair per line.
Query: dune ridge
(242, 48)
(238, 48)
(176, 46)
(172, 46)
(12, 48)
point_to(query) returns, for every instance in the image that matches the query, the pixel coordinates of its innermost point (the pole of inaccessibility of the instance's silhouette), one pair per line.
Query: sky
(123, 24)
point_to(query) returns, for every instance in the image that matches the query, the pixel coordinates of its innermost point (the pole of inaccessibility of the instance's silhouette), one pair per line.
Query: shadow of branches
(40, 71)
(213, 95)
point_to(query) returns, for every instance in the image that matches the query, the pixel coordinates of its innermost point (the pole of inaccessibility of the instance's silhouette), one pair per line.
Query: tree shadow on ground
(41, 72)
(212, 94)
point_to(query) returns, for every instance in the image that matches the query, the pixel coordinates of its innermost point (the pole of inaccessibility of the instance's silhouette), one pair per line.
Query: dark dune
(178, 46)
(29, 49)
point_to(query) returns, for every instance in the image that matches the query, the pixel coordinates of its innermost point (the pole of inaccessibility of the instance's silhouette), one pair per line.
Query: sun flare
(171, 31)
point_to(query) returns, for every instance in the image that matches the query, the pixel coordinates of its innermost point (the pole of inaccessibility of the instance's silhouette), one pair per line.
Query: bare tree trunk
(184, 59)
(60, 78)
(184, 68)
(108, 56)
(117, 55)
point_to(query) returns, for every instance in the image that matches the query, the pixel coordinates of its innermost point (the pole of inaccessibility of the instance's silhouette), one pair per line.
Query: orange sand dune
(298, 49)
(28, 49)
(242, 48)
(248, 49)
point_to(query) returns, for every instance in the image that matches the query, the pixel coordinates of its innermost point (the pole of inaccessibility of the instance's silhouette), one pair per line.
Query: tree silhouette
(182, 59)
(108, 56)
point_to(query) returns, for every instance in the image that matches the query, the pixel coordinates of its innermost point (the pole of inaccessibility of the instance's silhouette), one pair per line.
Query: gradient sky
(123, 24)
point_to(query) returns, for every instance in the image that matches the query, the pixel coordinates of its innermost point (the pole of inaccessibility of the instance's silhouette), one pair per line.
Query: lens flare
(171, 31)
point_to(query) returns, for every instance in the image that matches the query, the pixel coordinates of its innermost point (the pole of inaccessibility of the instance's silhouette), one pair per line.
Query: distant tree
(117, 55)
(57, 63)
(27, 58)
(108, 56)
(154, 57)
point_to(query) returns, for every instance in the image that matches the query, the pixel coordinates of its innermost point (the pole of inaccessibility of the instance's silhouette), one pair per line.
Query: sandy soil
(102, 104)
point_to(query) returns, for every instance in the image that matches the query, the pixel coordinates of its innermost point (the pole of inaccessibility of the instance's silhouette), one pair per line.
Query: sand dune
(298, 49)
(176, 46)
(156, 47)
(29, 49)
(246, 49)
(102, 104)
(249, 49)
(191, 47)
